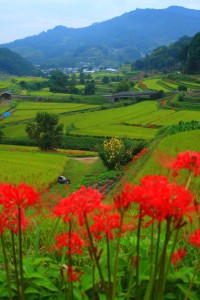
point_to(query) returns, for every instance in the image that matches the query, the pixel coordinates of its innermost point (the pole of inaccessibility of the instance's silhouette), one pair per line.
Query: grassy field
(28, 110)
(37, 169)
(41, 169)
(170, 146)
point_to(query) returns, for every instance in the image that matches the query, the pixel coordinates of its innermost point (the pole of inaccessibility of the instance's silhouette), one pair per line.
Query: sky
(23, 18)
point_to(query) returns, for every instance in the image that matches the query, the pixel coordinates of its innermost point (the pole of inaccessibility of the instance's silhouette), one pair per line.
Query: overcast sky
(22, 18)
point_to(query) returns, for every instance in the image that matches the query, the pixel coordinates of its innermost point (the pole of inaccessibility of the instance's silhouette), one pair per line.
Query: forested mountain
(185, 53)
(124, 38)
(13, 63)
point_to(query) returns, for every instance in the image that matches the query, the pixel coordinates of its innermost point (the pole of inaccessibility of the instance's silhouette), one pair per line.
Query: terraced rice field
(28, 110)
(37, 169)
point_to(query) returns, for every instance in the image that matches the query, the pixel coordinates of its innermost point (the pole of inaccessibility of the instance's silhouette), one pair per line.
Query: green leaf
(45, 283)
(31, 290)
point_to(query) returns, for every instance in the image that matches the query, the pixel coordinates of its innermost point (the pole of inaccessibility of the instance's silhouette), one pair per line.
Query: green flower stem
(20, 255)
(188, 180)
(95, 257)
(161, 278)
(70, 261)
(192, 280)
(6, 267)
(138, 255)
(130, 283)
(157, 245)
(117, 256)
(151, 249)
(152, 282)
(170, 257)
(15, 265)
(108, 262)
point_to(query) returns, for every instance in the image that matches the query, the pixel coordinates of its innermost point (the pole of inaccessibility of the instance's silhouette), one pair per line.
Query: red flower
(122, 201)
(178, 255)
(104, 224)
(72, 241)
(66, 208)
(195, 238)
(186, 160)
(20, 196)
(13, 201)
(81, 202)
(160, 199)
(73, 276)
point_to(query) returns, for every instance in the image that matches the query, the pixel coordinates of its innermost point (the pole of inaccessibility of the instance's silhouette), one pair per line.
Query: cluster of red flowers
(177, 256)
(160, 200)
(195, 238)
(13, 202)
(139, 155)
(189, 160)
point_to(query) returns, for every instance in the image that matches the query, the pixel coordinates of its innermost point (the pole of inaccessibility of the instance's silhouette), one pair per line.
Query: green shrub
(115, 152)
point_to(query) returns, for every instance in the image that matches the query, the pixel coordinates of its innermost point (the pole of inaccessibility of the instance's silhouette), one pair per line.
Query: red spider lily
(186, 160)
(104, 224)
(20, 196)
(13, 216)
(160, 199)
(71, 275)
(67, 208)
(81, 202)
(195, 238)
(122, 201)
(70, 240)
(13, 201)
(178, 255)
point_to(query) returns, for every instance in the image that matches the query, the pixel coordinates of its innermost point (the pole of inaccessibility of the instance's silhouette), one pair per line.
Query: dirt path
(86, 160)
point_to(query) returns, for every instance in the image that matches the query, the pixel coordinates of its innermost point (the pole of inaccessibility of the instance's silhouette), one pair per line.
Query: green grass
(183, 115)
(170, 146)
(152, 117)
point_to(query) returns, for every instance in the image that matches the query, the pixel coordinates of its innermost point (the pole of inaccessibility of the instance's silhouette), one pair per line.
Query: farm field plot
(120, 131)
(183, 115)
(37, 169)
(113, 116)
(28, 110)
(111, 122)
(153, 84)
(151, 117)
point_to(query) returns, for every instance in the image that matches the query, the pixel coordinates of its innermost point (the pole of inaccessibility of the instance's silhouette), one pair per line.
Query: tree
(123, 86)
(58, 81)
(46, 131)
(89, 87)
(105, 79)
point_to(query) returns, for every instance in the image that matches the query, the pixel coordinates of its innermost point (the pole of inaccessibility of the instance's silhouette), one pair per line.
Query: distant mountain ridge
(124, 38)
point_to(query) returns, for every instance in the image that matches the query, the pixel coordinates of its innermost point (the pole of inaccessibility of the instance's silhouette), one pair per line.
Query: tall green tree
(46, 131)
(193, 57)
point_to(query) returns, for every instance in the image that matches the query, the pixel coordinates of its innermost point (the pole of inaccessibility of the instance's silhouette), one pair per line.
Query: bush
(115, 152)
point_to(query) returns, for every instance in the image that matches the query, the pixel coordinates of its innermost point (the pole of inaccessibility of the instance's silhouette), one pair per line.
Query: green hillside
(13, 63)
